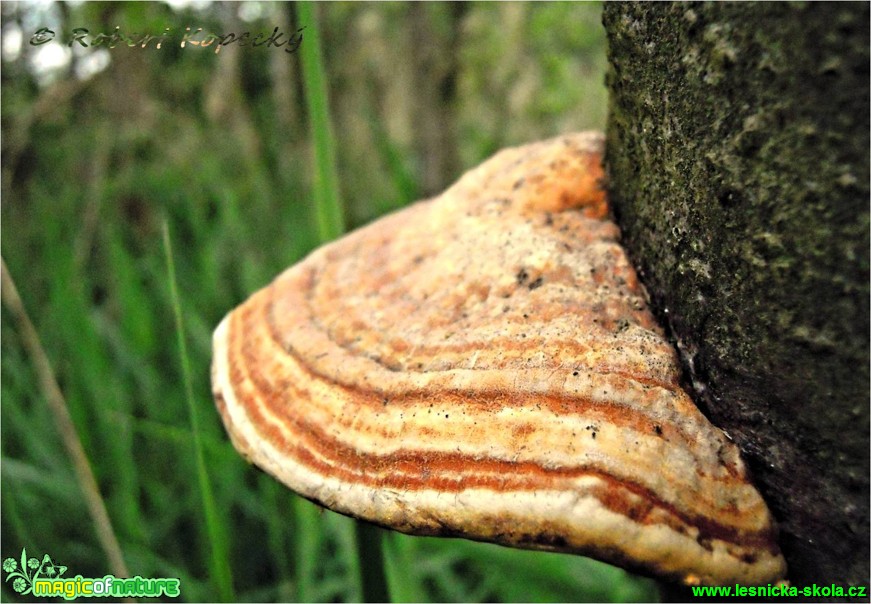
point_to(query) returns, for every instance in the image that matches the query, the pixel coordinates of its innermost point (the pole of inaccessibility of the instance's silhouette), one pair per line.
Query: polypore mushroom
(484, 365)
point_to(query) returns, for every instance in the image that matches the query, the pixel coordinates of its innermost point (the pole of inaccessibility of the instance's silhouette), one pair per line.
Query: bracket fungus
(484, 365)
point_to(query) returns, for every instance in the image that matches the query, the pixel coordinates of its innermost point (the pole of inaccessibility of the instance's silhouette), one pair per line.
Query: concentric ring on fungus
(484, 365)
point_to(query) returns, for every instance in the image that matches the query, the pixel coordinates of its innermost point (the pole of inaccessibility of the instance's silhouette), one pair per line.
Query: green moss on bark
(738, 156)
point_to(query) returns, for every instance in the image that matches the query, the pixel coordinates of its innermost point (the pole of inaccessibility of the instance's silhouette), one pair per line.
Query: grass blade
(217, 533)
(307, 539)
(328, 206)
(66, 427)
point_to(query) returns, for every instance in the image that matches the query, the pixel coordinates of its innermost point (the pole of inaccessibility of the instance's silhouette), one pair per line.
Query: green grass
(328, 208)
(129, 243)
(217, 525)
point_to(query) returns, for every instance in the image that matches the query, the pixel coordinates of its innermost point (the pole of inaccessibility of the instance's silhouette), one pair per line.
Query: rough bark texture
(738, 161)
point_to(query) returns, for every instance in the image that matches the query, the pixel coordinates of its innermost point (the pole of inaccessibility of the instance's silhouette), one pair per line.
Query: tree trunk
(738, 162)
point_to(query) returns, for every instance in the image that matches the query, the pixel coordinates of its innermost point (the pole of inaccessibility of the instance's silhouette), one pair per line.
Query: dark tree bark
(739, 172)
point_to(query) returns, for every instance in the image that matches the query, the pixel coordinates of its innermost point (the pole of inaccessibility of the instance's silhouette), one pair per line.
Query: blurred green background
(103, 146)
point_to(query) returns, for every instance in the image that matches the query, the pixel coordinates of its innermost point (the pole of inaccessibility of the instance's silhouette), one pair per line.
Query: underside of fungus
(484, 365)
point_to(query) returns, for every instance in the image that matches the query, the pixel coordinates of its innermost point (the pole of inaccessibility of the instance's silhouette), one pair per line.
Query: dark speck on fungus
(522, 276)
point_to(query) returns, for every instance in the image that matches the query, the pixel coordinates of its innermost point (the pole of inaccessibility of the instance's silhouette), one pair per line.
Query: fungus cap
(484, 365)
